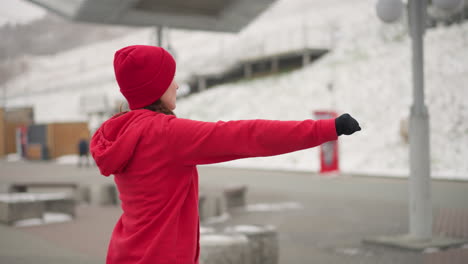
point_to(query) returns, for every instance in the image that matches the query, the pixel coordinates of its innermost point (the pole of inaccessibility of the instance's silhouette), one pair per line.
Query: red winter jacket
(153, 158)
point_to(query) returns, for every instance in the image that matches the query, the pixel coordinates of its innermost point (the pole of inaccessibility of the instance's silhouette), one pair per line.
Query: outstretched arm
(196, 142)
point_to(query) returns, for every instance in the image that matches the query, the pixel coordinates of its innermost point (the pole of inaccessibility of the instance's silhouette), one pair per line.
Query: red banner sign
(329, 154)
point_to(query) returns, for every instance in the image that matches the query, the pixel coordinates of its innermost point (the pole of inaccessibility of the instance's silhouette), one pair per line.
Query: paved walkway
(330, 218)
(21, 246)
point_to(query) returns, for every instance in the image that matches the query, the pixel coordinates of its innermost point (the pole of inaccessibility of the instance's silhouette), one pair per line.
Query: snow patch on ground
(67, 159)
(13, 157)
(273, 207)
(48, 218)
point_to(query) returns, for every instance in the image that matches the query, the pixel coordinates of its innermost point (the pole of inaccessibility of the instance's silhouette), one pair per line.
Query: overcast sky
(19, 11)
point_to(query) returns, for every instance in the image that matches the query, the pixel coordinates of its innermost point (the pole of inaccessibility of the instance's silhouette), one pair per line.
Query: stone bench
(25, 186)
(58, 203)
(241, 244)
(21, 206)
(262, 240)
(216, 207)
(212, 208)
(49, 187)
(234, 196)
(202, 206)
(95, 194)
(223, 249)
(103, 194)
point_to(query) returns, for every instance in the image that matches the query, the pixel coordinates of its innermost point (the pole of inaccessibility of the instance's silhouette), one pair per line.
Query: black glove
(346, 124)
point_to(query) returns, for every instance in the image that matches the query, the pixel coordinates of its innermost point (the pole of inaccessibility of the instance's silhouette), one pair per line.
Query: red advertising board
(329, 154)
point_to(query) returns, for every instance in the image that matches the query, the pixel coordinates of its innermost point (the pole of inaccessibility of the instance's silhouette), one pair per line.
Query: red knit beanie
(143, 73)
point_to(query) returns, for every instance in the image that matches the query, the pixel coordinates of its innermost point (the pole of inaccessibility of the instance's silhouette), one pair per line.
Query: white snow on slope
(19, 12)
(372, 81)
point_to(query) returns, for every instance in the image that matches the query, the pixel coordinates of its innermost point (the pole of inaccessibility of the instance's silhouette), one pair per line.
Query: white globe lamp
(389, 11)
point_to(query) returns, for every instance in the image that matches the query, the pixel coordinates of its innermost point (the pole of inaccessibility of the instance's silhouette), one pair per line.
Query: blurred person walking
(83, 151)
(153, 156)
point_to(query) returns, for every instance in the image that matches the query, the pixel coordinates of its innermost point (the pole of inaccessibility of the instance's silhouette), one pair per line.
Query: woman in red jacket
(153, 156)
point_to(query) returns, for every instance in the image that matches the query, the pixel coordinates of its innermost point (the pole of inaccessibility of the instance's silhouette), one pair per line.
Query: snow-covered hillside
(372, 81)
(369, 70)
(19, 12)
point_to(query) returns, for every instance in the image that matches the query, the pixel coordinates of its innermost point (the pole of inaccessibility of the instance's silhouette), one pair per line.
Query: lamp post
(420, 206)
(158, 36)
(420, 227)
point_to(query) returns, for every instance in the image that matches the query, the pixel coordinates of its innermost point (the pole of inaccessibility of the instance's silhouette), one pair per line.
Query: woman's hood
(114, 143)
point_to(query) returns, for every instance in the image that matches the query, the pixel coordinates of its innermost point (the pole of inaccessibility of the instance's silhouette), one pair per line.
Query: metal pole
(159, 35)
(420, 209)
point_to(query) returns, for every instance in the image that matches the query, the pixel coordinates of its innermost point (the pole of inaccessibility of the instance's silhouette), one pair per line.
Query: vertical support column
(159, 36)
(274, 64)
(247, 70)
(201, 83)
(305, 58)
(420, 172)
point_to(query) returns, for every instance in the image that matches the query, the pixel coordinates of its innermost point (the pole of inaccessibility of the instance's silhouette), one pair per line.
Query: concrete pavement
(333, 216)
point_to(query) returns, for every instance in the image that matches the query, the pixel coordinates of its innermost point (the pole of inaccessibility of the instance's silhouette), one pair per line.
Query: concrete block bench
(262, 240)
(234, 196)
(21, 206)
(99, 194)
(26, 186)
(223, 249)
(212, 209)
(15, 207)
(104, 194)
(202, 206)
(58, 203)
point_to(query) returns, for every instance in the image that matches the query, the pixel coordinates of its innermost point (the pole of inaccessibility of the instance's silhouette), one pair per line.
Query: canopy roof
(211, 15)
